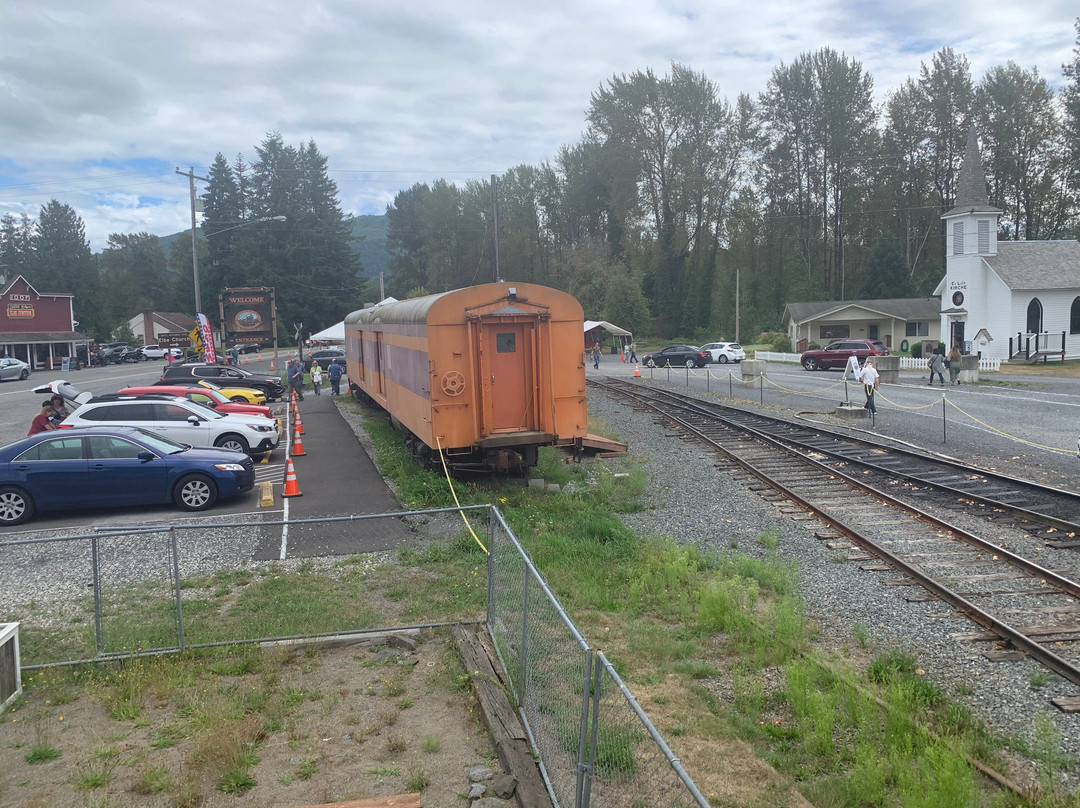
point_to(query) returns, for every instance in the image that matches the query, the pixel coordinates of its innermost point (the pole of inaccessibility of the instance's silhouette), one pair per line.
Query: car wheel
(196, 492)
(233, 443)
(723, 359)
(240, 400)
(24, 375)
(650, 363)
(691, 363)
(16, 506)
(810, 363)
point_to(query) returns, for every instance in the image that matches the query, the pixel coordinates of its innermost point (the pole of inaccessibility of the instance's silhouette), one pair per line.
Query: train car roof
(416, 310)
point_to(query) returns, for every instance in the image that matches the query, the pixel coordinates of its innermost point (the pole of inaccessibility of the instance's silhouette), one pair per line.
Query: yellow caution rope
(464, 519)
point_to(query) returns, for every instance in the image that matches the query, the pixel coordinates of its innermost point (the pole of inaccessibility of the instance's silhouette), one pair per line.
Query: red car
(837, 353)
(200, 395)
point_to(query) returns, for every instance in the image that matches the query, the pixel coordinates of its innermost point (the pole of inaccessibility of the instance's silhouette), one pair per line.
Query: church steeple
(971, 195)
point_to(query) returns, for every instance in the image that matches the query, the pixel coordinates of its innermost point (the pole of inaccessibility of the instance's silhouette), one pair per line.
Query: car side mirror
(146, 455)
(193, 420)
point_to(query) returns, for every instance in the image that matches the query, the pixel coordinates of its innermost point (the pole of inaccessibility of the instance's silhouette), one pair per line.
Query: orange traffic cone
(258, 357)
(637, 372)
(271, 364)
(299, 423)
(622, 356)
(245, 360)
(292, 489)
(297, 446)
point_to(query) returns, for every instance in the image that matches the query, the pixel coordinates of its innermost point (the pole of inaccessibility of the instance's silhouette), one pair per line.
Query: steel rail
(1020, 640)
(944, 462)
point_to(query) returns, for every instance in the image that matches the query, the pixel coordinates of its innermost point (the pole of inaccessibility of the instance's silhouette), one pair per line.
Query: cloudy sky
(100, 101)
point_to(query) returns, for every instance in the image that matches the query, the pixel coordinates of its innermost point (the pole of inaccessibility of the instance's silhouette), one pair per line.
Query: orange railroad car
(487, 373)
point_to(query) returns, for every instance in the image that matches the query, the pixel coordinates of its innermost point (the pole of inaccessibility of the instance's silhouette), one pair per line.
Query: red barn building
(38, 327)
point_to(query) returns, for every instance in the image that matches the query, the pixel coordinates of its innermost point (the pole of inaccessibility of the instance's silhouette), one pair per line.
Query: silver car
(13, 369)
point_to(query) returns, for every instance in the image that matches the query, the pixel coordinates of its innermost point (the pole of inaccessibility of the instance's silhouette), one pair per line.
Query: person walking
(869, 377)
(295, 374)
(633, 352)
(41, 422)
(335, 372)
(596, 355)
(952, 362)
(937, 366)
(316, 376)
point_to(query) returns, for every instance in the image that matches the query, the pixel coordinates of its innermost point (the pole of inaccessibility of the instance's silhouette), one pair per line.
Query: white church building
(1008, 300)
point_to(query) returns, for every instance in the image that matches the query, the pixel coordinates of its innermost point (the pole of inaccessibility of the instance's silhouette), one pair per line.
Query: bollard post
(708, 380)
(730, 393)
(943, 420)
(687, 377)
(847, 398)
(761, 388)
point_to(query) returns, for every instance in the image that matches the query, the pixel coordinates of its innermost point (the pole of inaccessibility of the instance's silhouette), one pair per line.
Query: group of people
(294, 375)
(938, 364)
(53, 411)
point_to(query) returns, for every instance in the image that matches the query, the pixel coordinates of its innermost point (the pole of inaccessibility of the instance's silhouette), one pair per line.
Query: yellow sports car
(245, 394)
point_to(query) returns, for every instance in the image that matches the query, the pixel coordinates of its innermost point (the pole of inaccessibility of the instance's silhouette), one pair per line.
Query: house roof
(30, 286)
(174, 320)
(1037, 264)
(901, 308)
(971, 195)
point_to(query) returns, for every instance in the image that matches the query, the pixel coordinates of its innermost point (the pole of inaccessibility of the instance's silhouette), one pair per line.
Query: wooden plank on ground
(506, 729)
(397, 801)
(600, 444)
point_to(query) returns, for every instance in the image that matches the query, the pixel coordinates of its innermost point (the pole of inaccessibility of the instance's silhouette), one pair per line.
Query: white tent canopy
(604, 324)
(335, 333)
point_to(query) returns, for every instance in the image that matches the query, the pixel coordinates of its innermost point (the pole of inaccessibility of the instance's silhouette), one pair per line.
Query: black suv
(325, 357)
(224, 376)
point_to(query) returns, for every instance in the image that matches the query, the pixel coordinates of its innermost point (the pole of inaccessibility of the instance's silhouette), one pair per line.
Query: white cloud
(399, 93)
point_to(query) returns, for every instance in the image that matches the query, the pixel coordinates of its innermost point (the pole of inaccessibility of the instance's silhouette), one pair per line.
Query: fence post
(584, 770)
(98, 641)
(491, 567)
(943, 419)
(598, 675)
(524, 634)
(730, 393)
(174, 550)
(687, 377)
(761, 388)
(708, 379)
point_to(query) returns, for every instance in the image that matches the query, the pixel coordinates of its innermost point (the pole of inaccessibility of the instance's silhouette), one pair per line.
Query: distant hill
(371, 250)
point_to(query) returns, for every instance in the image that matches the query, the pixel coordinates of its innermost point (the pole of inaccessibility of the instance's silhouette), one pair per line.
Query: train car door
(507, 349)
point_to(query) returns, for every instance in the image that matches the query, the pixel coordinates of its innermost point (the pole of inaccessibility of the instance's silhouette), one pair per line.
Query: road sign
(174, 339)
(195, 337)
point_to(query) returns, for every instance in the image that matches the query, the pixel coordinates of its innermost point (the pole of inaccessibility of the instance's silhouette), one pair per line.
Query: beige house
(899, 322)
(148, 325)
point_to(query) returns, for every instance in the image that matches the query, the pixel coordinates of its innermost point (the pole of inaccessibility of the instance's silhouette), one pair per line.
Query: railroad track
(847, 490)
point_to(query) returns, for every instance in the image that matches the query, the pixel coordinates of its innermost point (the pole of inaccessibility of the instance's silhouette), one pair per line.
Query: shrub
(781, 344)
(916, 350)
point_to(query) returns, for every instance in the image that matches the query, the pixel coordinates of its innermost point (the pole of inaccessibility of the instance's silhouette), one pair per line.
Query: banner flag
(209, 354)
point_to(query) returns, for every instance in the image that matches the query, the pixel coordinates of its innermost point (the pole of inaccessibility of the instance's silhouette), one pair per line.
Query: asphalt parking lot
(335, 478)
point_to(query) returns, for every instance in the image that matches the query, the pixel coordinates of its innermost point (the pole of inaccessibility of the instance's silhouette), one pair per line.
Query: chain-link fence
(596, 746)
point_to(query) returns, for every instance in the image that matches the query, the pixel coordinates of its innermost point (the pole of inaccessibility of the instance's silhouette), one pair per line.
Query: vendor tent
(335, 333)
(597, 325)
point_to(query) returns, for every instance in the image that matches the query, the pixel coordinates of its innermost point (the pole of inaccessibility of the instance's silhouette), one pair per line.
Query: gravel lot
(696, 503)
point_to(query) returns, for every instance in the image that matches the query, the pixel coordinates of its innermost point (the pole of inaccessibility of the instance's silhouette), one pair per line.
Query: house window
(917, 329)
(834, 331)
(1074, 317)
(958, 238)
(1034, 316)
(984, 235)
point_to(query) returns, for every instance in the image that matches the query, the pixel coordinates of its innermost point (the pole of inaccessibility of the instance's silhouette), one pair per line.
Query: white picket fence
(906, 362)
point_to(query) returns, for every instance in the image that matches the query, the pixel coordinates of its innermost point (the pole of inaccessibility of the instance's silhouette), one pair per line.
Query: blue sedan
(96, 467)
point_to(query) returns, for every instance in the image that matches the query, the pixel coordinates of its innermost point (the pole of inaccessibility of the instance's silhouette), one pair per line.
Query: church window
(1074, 317)
(984, 235)
(1034, 316)
(958, 238)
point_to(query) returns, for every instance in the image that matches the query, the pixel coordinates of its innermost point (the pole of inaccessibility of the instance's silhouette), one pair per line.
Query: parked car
(104, 466)
(157, 352)
(682, 355)
(110, 354)
(248, 347)
(11, 368)
(225, 376)
(325, 357)
(837, 353)
(241, 395)
(180, 420)
(200, 395)
(724, 352)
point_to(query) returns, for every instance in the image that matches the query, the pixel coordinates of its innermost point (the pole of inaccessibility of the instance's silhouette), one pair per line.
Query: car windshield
(161, 444)
(204, 410)
(218, 396)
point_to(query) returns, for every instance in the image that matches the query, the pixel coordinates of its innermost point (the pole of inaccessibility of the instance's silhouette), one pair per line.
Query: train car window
(506, 343)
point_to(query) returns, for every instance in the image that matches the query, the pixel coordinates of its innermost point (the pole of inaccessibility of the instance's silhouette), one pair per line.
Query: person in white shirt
(869, 377)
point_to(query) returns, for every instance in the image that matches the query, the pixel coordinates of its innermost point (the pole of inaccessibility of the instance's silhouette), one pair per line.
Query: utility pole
(737, 304)
(190, 174)
(495, 219)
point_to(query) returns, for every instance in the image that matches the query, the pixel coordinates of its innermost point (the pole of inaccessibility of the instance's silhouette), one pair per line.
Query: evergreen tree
(134, 270)
(886, 273)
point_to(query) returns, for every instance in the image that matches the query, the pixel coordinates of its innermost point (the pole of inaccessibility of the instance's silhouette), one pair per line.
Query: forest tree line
(673, 196)
(809, 191)
(307, 257)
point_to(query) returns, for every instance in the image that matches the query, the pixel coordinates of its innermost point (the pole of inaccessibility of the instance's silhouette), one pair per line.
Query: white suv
(724, 352)
(157, 352)
(180, 420)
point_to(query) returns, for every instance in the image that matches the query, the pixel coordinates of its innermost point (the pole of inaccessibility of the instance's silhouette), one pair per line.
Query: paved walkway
(336, 477)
